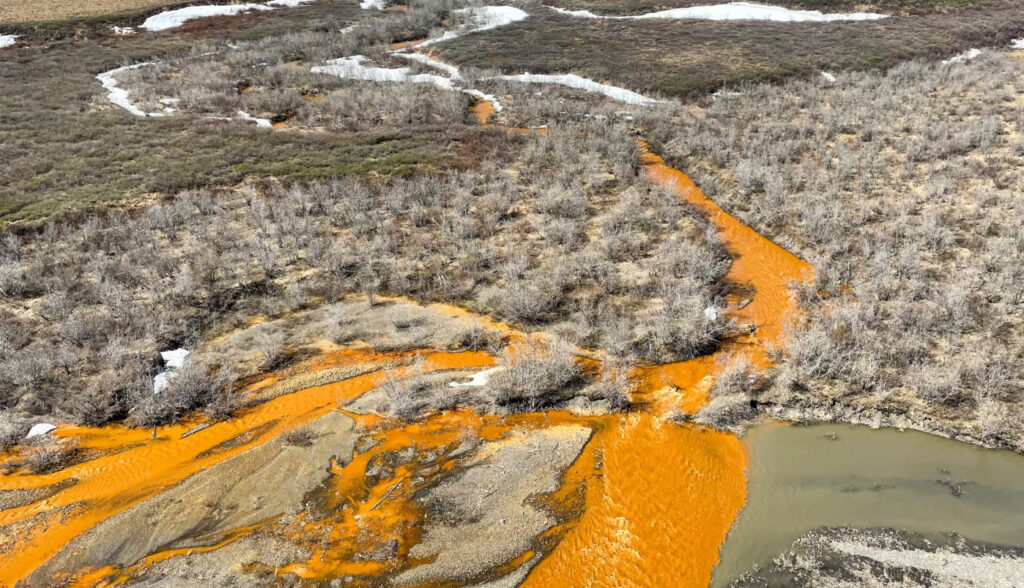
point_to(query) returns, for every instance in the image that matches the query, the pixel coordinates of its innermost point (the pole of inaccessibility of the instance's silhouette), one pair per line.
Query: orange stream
(110, 484)
(668, 494)
(661, 502)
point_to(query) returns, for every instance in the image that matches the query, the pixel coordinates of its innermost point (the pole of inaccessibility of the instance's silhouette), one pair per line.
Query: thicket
(904, 190)
(554, 231)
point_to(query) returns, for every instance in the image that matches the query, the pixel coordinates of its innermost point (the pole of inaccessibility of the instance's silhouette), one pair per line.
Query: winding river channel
(659, 498)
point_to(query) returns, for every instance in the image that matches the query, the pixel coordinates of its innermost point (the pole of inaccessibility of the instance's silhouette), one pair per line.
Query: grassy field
(64, 148)
(684, 58)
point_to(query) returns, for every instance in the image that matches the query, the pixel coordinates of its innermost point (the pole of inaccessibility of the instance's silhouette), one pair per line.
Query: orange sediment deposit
(482, 110)
(112, 483)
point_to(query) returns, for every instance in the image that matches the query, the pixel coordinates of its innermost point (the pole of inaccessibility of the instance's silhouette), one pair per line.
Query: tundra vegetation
(552, 231)
(903, 189)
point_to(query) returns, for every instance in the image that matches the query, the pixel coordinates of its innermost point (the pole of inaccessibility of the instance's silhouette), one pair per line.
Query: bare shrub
(536, 375)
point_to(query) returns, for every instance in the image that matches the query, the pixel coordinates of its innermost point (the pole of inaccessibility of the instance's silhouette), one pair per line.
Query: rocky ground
(833, 557)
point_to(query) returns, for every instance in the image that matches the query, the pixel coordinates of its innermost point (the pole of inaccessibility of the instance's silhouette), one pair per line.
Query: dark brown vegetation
(903, 189)
(684, 58)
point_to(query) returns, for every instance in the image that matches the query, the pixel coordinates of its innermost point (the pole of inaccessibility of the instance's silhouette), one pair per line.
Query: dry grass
(18, 11)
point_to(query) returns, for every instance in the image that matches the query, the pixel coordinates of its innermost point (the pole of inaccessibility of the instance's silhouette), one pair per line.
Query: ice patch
(963, 57)
(429, 61)
(737, 11)
(478, 379)
(173, 360)
(260, 122)
(175, 18)
(7, 40)
(574, 81)
(40, 429)
(352, 68)
(828, 77)
(118, 96)
(575, 13)
(481, 18)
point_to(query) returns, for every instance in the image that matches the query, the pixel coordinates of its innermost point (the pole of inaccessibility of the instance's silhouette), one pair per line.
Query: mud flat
(803, 478)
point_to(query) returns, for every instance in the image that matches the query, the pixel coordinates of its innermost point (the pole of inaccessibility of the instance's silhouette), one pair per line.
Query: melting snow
(963, 57)
(7, 40)
(118, 95)
(173, 360)
(478, 379)
(175, 18)
(737, 11)
(352, 68)
(260, 122)
(40, 429)
(574, 81)
(481, 18)
(123, 31)
(429, 61)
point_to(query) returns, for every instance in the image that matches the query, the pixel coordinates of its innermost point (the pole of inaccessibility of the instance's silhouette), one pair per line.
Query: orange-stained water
(656, 513)
(109, 484)
(667, 494)
(658, 497)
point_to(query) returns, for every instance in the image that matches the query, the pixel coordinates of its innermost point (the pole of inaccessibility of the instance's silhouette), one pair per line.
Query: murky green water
(801, 480)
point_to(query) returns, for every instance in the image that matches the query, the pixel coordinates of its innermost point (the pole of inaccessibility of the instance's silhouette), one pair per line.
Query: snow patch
(175, 18)
(123, 31)
(40, 429)
(368, 4)
(118, 96)
(478, 379)
(486, 98)
(963, 57)
(1017, 44)
(352, 68)
(173, 360)
(288, 3)
(429, 61)
(481, 18)
(7, 40)
(574, 81)
(828, 77)
(736, 11)
(260, 122)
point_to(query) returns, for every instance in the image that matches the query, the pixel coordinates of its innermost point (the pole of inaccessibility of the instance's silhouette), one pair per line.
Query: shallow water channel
(805, 477)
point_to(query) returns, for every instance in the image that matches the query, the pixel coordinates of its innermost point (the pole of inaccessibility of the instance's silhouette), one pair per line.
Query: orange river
(657, 497)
